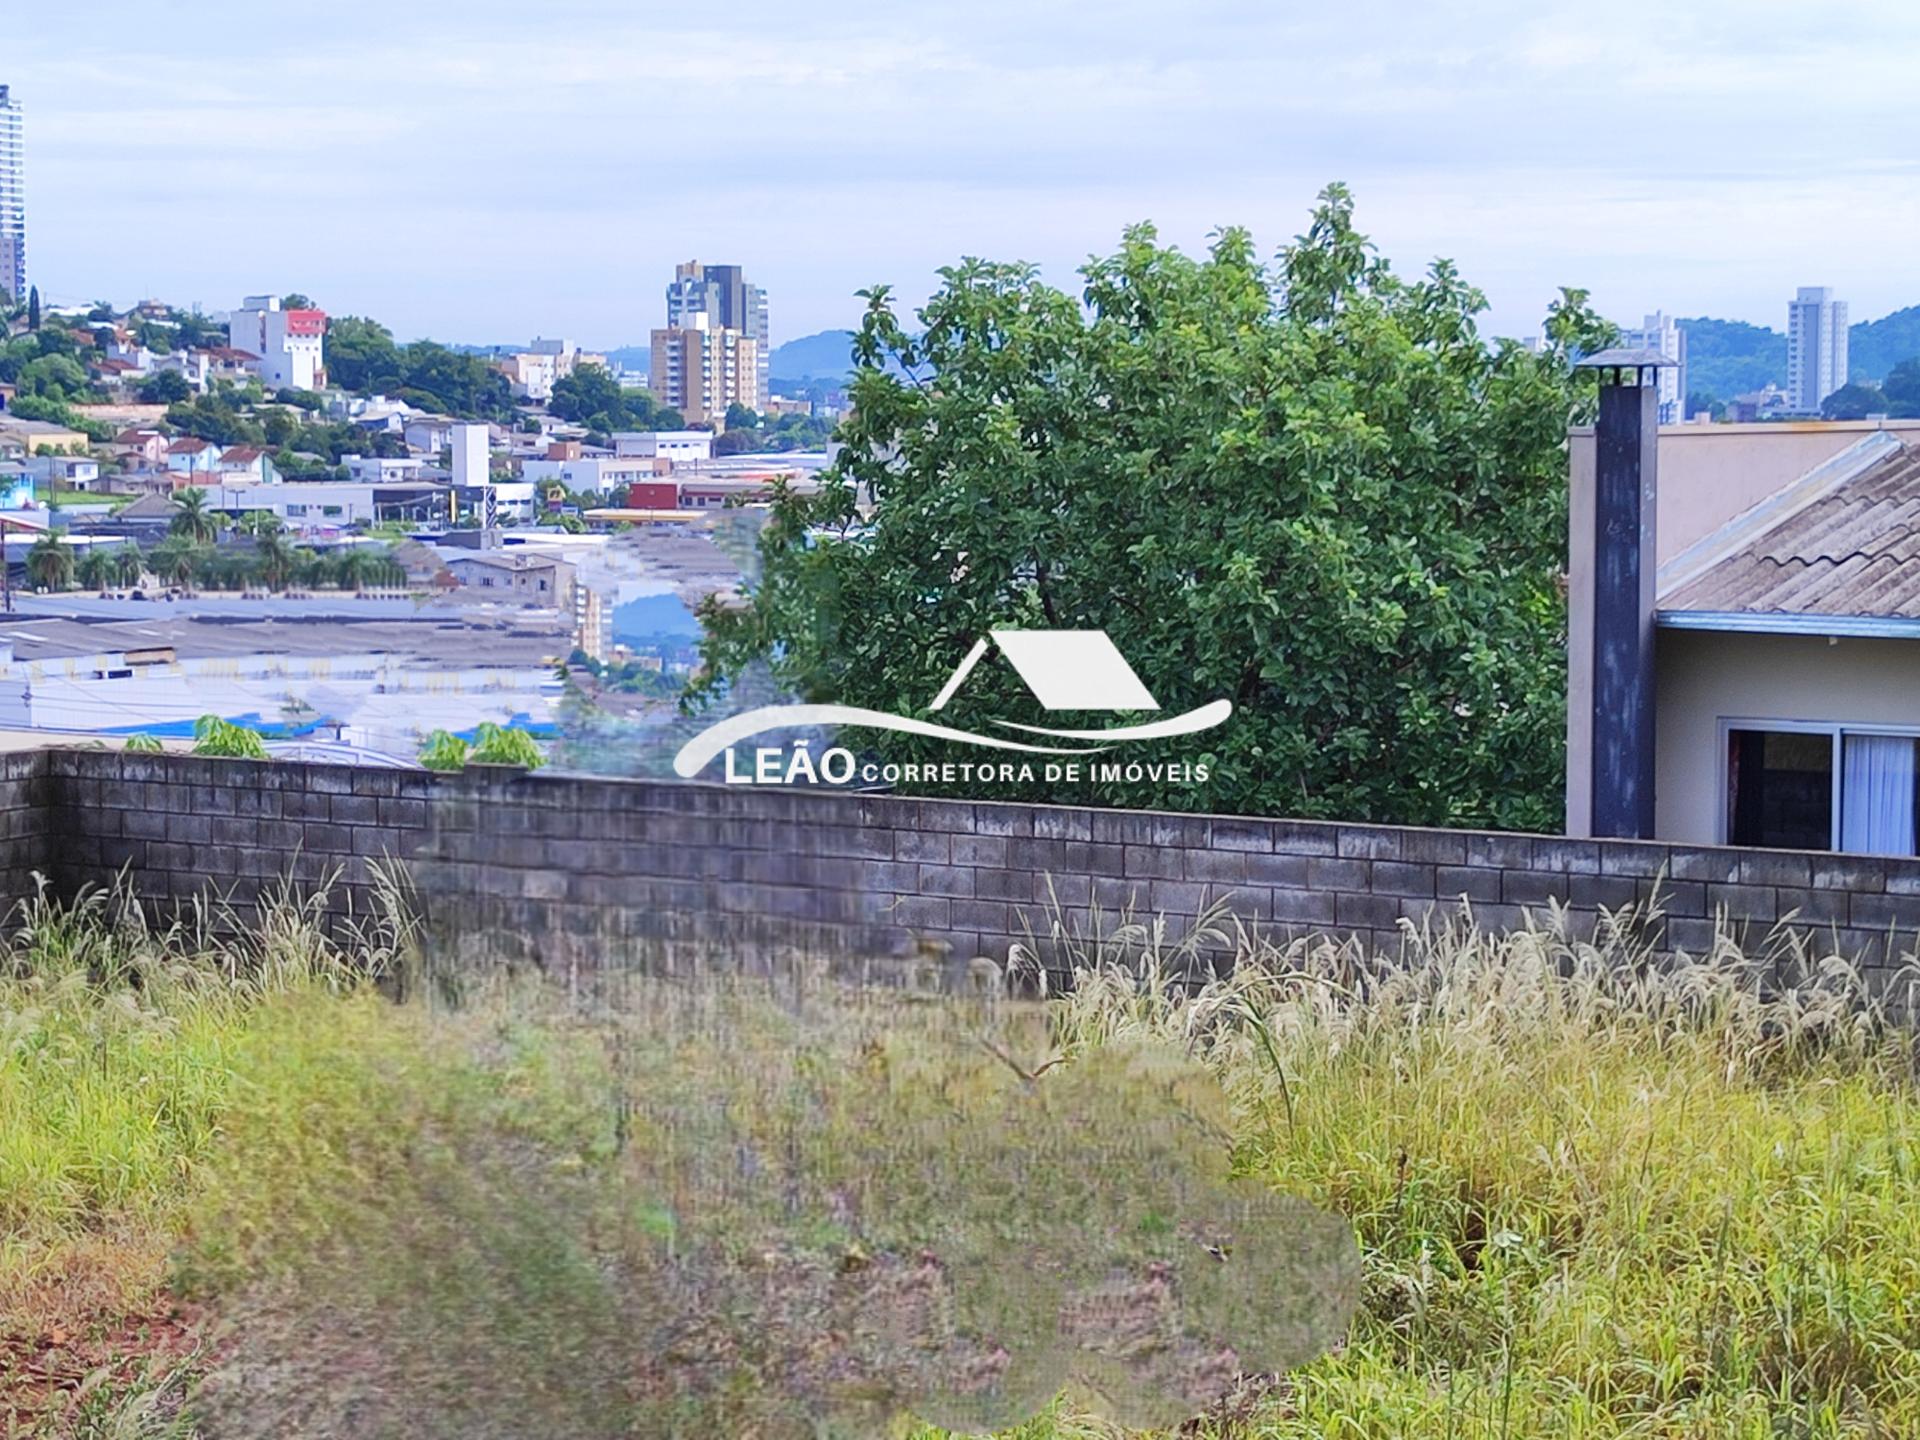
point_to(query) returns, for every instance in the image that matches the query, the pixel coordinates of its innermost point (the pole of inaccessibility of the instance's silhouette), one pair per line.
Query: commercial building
(701, 370)
(13, 196)
(334, 504)
(289, 344)
(1661, 332)
(680, 447)
(730, 301)
(1816, 347)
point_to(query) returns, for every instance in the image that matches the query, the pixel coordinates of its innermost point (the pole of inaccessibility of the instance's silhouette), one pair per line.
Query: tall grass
(1597, 1192)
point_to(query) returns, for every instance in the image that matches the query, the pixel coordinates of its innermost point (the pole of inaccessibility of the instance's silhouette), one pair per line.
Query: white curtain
(1876, 798)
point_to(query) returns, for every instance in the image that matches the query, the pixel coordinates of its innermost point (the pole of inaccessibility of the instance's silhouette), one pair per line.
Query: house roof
(1841, 543)
(149, 507)
(189, 445)
(241, 455)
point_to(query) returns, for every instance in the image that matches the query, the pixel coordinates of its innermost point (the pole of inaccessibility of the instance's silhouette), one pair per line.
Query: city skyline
(283, 147)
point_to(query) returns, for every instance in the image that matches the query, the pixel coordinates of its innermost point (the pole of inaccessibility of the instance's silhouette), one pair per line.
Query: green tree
(165, 387)
(1903, 389)
(1855, 401)
(295, 301)
(275, 559)
(361, 354)
(1311, 488)
(177, 559)
(192, 520)
(127, 565)
(33, 307)
(96, 569)
(50, 563)
(742, 417)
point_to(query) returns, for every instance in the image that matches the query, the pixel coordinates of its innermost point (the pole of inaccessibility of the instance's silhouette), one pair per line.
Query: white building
(382, 469)
(471, 459)
(1816, 347)
(290, 343)
(1661, 332)
(13, 199)
(334, 504)
(596, 474)
(683, 447)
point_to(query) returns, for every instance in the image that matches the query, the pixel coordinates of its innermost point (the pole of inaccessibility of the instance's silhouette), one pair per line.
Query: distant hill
(631, 357)
(1877, 346)
(826, 356)
(1729, 357)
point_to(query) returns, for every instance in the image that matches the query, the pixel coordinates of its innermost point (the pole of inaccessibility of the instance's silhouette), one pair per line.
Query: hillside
(826, 356)
(1876, 347)
(1728, 357)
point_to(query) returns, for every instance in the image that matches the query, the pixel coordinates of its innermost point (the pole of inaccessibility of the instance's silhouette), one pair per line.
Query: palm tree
(259, 522)
(95, 569)
(276, 559)
(352, 568)
(192, 519)
(177, 559)
(126, 565)
(50, 563)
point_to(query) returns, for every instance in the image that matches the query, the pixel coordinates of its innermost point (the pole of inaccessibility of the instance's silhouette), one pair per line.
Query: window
(1780, 789)
(1823, 787)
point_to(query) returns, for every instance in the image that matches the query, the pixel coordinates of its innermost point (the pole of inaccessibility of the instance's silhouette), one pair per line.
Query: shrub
(214, 736)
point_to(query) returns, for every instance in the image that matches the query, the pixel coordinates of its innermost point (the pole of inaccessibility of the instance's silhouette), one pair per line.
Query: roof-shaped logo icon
(1065, 670)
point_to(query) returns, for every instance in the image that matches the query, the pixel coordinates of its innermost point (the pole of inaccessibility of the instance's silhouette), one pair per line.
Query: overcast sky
(492, 169)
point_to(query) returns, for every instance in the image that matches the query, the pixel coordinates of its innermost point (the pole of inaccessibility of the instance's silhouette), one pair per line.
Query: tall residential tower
(1816, 347)
(13, 199)
(730, 301)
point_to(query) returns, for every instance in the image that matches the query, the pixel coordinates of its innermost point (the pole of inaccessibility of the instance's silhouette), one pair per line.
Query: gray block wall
(570, 873)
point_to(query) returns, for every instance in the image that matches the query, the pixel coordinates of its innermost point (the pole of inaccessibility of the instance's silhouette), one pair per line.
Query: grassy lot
(243, 1191)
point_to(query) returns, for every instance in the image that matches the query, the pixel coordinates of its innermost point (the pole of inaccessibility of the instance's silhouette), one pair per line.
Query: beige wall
(1708, 475)
(1705, 677)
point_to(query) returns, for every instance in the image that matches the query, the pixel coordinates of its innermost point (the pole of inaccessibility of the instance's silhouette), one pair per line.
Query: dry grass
(1595, 1195)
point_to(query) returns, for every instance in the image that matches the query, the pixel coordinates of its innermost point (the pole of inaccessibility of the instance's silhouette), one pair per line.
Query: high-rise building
(288, 345)
(700, 368)
(1816, 347)
(729, 301)
(13, 197)
(1661, 332)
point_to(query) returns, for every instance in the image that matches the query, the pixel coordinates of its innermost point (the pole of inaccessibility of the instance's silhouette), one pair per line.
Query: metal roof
(1622, 358)
(1852, 549)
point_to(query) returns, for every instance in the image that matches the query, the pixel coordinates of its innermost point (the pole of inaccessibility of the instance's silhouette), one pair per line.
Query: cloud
(557, 159)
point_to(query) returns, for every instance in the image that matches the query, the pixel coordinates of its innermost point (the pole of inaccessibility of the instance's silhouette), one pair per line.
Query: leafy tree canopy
(1903, 389)
(1853, 402)
(1310, 487)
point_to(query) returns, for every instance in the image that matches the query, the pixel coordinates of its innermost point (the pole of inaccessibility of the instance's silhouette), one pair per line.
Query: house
(1744, 652)
(240, 463)
(139, 447)
(66, 472)
(34, 437)
(532, 579)
(190, 455)
(152, 509)
(429, 434)
(382, 469)
(596, 475)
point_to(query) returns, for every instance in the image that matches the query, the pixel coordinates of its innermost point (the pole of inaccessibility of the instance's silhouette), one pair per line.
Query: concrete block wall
(571, 873)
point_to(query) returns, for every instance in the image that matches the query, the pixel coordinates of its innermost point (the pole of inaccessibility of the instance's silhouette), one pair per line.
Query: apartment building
(730, 301)
(700, 369)
(289, 344)
(13, 199)
(1660, 331)
(1816, 347)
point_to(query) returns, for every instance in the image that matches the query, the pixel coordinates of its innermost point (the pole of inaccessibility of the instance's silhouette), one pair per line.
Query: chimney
(1626, 486)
